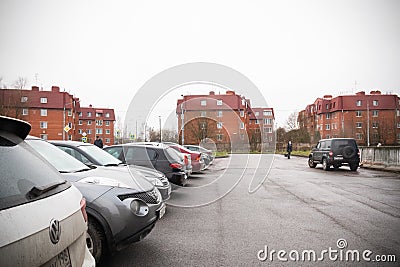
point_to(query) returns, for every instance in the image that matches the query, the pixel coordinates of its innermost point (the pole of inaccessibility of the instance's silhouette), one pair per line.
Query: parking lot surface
(217, 221)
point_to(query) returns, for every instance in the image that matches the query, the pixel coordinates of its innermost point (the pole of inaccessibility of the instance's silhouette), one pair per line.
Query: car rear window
(22, 169)
(343, 143)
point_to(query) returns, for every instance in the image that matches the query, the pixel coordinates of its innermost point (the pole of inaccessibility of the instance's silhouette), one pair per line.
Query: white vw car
(43, 220)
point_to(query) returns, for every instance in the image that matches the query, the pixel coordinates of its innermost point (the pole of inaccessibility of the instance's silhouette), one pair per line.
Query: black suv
(335, 152)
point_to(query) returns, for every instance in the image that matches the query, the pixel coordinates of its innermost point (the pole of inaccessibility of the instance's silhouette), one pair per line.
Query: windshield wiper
(110, 164)
(83, 170)
(40, 190)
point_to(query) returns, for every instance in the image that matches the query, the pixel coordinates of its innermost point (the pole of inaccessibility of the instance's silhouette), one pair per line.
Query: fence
(385, 157)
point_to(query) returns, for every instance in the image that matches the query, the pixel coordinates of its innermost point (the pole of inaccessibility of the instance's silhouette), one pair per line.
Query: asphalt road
(232, 214)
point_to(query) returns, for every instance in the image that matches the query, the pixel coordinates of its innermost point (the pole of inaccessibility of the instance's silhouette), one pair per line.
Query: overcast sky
(293, 51)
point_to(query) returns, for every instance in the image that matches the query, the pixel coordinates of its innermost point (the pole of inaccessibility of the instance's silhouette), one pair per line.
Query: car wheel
(353, 167)
(96, 241)
(325, 165)
(311, 163)
(349, 152)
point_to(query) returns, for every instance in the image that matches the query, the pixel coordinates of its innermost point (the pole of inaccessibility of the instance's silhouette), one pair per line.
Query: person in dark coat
(98, 142)
(289, 149)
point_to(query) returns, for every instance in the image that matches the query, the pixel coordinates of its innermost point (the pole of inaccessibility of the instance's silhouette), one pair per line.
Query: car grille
(150, 197)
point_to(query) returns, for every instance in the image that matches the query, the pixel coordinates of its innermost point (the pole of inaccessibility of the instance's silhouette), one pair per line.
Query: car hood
(111, 177)
(147, 172)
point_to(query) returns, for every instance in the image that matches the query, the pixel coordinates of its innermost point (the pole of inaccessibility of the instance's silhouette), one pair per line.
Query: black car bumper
(177, 178)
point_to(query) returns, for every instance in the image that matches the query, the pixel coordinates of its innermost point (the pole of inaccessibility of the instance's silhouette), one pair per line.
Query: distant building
(370, 119)
(56, 115)
(223, 118)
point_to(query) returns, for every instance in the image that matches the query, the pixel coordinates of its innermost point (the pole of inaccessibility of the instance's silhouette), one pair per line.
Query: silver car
(90, 155)
(122, 208)
(38, 227)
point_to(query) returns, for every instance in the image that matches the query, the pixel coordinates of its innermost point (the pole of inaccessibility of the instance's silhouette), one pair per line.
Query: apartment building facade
(223, 118)
(369, 118)
(57, 115)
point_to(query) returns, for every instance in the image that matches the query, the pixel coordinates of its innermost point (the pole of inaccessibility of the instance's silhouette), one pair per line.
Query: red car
(197, 160)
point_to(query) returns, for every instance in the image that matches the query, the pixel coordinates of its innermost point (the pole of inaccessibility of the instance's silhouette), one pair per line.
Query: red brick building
(56, 115)
(369, 118)
(224, 118)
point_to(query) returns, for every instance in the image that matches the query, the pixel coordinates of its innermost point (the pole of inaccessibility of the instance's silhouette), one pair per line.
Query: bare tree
(200, 129)
(291, 122)
(20, 83)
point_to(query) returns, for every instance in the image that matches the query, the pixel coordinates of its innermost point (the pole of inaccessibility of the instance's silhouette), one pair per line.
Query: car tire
(325, 165)
(349, 152)
(311, 163)
(96, 241)
(353, 167)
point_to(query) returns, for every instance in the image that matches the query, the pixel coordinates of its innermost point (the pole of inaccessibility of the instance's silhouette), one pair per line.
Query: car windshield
(22, 170)
(58, 158)
(104, 158)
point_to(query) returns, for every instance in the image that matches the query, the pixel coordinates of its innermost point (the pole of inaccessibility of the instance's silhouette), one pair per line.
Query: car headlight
(155, 181)
(137, 206)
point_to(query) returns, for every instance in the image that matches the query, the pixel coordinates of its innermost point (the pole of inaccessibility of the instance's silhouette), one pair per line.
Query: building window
(328, 115)
(44, 136)
(43, 125)
(219, 125)
(241, 125)
(327, 106)
(267, 113)
(375, 103)
(70, 137)
(89, 122)
(70, 125)
(241, 113)
(268, 130)
(98, 114)
(43, 112)
(375, 125)
(203, 103)
(257, 113)
(257, 121)
(108, 140)
(24, 111)
(358, 124)
(219, 113)
(99, 131)
(203, 114)
(89, 131)
(107, 123)
(24, 99)
(108, 131)
(358, 103)
(398, 112)
(80, 131)
(43, 100)
(99, 123)
(268, 121)
(358, 113)
(375, 113)
(80, 122)
(359, 136)
(219, 102)
(69, 112)
(398, 125)
(79, 114)
(327, 127)
(398, 136)
(107, 115)
(220, 137)
(89, 114)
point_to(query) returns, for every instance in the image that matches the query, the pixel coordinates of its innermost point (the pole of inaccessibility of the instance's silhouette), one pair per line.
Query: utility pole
(182, 123)
(367, 122)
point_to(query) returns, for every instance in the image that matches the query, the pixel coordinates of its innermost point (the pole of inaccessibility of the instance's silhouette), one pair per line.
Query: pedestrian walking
(289, 149)
(98, 142)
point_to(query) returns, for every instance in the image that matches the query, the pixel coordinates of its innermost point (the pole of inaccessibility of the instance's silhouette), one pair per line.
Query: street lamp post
(159, 117)
(182, 121)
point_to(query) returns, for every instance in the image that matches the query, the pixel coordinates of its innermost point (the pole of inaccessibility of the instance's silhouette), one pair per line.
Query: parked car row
(115, 196)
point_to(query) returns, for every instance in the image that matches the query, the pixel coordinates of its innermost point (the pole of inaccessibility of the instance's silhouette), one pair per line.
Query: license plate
(61, 260)
(161, 212)
(338, 158)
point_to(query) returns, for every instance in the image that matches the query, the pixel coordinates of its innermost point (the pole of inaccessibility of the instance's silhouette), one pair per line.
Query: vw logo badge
(55, 231)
